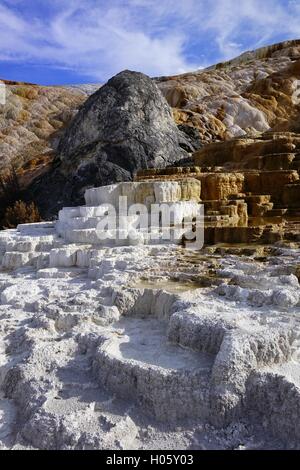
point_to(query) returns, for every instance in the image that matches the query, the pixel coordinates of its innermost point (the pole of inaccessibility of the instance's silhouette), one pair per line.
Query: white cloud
(99, 38)
(94, 40)
(251, 22)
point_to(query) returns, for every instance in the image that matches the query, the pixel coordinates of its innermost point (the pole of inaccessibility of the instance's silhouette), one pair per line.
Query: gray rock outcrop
(125, 126)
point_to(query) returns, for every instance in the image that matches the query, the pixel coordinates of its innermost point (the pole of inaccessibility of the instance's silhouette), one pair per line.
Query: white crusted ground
(146, 346)
(74, 375)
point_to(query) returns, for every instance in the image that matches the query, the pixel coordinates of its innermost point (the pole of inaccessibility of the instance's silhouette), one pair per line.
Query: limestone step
(212, 213)
(103, 195)
(213, 205)
(72, 256)
(216, 218)
(236, 196)
(274, 161)
(293, 234)
(158, 236)
(61, 273)
(296, 165)
(198, 332)
(150, 192)
(120, 237)
(78, 223)
(22, 245)
(250, 234)
(167, 213)
(294, 211)
(82, 211)
(13, 259)
(259, 210)
(296, 162)
(231, 210)
(276, 212)
(30, 244)
(34, 226)
(259, 199)
(93, 237)
(37, 229)
(137, 354)
(274, 388)
(291, 194)
(63, 257)
(41, 261)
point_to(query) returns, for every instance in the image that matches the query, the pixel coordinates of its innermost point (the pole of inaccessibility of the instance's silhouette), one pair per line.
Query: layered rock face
(31, 121)
(250, 188)
(270, 167)
(268, 151)
(252, 93)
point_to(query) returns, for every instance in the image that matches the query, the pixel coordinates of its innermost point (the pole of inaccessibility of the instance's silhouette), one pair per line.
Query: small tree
(10, 191)
(9, 184)
(20, 213)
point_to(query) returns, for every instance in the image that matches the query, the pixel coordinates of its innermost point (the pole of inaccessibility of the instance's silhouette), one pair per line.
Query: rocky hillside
(31, 120)
(252, 94)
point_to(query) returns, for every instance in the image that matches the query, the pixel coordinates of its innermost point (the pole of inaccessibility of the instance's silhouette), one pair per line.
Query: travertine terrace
(250, 188)
(146, 345)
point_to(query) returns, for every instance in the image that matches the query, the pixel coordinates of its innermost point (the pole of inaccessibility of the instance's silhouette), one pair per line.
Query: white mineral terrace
(145, 345)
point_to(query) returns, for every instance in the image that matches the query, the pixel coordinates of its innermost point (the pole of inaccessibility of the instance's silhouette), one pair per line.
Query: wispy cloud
(98, 38)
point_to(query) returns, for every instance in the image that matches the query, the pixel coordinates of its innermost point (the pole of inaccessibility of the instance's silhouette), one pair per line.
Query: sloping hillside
(31, 121)
(249, 95)
(254, 92)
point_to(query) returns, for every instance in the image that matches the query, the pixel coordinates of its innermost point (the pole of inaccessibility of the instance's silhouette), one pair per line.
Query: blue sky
(87, 41)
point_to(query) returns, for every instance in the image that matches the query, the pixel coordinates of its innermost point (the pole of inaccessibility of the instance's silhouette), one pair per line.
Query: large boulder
(127, 125)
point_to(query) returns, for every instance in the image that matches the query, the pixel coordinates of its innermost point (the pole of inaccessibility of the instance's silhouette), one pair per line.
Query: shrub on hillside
(10, 191)
(9, 185)
(28, 92)
(20, 213)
